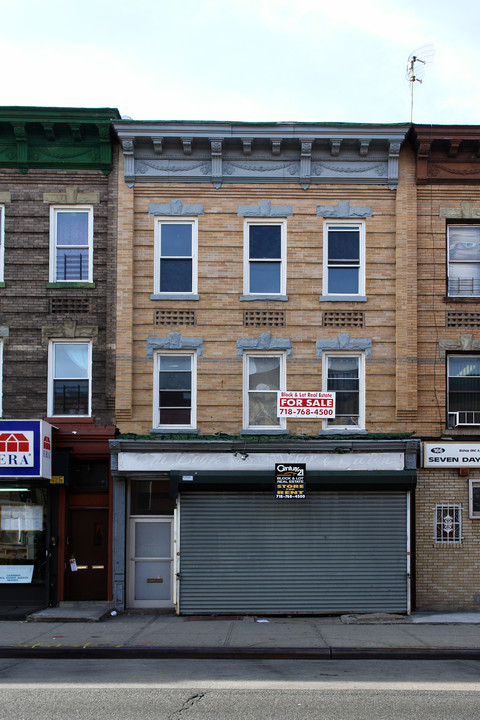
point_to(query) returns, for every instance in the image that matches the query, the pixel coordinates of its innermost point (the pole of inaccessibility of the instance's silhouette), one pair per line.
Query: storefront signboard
(306, 405)
(439, 454)
(290, 481)
(25, 449)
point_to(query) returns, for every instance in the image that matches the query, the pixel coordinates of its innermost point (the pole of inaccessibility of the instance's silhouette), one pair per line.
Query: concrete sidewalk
(419, 636)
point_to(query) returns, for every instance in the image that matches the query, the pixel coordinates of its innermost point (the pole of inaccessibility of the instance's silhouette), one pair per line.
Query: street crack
(192, 700)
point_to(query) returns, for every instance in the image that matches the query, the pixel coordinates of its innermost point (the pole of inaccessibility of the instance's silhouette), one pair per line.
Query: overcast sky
(245, 60)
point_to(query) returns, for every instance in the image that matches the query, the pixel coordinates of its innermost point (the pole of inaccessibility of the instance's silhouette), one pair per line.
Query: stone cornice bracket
(454, 147)
(217, 172)
(424, 150)
(335, 146)
(343, 210)
(393, 155)
(276, 147)
(265, 209)
(76, 134)
(174, 341)
(466, 343)
(466, 211)
(128, 147)
(247, 146)
(345, 342)
(49, 131)
(265, 342)
(187, 145)
(364, 147)
(69, 329)
(157, 143)
(22, 147)
(306, 163)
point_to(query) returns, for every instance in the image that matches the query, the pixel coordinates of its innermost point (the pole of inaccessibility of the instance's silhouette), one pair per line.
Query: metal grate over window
(69, 306)
(343, 318)
(448, 523)
(264, 318)
(455, 319)
(174, 317)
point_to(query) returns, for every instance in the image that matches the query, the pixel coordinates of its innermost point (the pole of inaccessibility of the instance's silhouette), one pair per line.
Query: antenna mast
(416, 69)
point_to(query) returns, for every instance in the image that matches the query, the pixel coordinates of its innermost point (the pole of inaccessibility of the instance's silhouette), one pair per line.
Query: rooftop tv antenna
(416, 64)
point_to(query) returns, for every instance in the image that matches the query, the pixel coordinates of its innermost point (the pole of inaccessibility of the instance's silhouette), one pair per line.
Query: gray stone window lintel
(174, 341)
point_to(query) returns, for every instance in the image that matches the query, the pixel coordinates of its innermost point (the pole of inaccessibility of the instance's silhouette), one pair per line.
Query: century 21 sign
(311, 405)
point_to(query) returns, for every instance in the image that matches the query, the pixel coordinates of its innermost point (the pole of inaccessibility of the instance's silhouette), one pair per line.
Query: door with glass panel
(150, 581)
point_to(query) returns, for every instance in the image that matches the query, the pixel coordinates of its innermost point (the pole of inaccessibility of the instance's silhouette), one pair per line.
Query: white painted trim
(132, 560)
(54, 210)
(361, 387)
(471, 483)
(360, 224)
(51, 354)
(156, 389)
(246, 256)
(189, 461)
(259, 353)
(168, 220)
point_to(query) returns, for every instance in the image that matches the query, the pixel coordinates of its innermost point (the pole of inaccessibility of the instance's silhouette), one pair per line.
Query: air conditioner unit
(463, 417)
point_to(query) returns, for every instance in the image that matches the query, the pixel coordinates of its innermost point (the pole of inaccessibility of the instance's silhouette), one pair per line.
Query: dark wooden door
(87, 546)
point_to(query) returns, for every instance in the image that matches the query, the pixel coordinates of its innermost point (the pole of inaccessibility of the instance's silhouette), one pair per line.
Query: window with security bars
(71, 244)
(448, 523)
(463, 390)
(463, 260)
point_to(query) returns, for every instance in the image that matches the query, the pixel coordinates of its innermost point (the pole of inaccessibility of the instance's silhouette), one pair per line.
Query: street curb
(238, 653)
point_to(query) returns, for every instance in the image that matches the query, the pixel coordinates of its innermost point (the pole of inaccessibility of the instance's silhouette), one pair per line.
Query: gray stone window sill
(274, 298)
(343, 431)
(174, 296)
(267, 431)
(174, 431)
(343, 298)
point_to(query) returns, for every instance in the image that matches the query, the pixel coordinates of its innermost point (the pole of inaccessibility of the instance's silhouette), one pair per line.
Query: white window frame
(457, 418)
(361, 388)
(193, 223)
(156, 390)
(246, 397)
(54, 211)
(2, 242)
(247, 261)
(474, 284)
(51, 376)
(441, 536)
(360, 225)
(473, 483)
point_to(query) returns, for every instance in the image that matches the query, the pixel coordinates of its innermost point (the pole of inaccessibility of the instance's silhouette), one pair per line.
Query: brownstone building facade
(253, 260)
(58, 222)
(448, 242)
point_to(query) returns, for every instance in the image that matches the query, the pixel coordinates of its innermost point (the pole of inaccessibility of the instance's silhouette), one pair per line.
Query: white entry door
(150, 570)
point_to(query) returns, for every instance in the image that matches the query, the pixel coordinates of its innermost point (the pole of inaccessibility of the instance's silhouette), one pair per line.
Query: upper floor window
(344, 375)
(463, 390)
(463, 260)
(175, 256)
(175, 390)
(344, 259)
(264, 376)
(265, 262)
(71, 244)
(70, 378)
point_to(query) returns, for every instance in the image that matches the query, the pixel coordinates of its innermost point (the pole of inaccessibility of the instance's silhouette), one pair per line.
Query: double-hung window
(71, 244)
(463, 260)
(175, 257)
(265, 263)
(175, 390)
(70, 378)
(264, 376)
(344, 259)
(344, 375)
(463, 390)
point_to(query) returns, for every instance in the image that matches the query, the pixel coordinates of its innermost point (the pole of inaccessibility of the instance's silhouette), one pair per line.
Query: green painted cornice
(56, 138)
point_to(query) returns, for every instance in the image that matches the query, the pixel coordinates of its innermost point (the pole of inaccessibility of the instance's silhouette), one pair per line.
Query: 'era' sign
(25, 448)
(304, 404)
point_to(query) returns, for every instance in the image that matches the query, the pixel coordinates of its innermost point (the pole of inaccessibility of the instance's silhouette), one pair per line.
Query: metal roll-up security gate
(331, 553)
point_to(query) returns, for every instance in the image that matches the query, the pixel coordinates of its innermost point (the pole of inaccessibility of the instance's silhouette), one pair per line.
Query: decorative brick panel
(454, 319)
(343, 318)
(264, 318)
(69, 306)
(174, 317)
